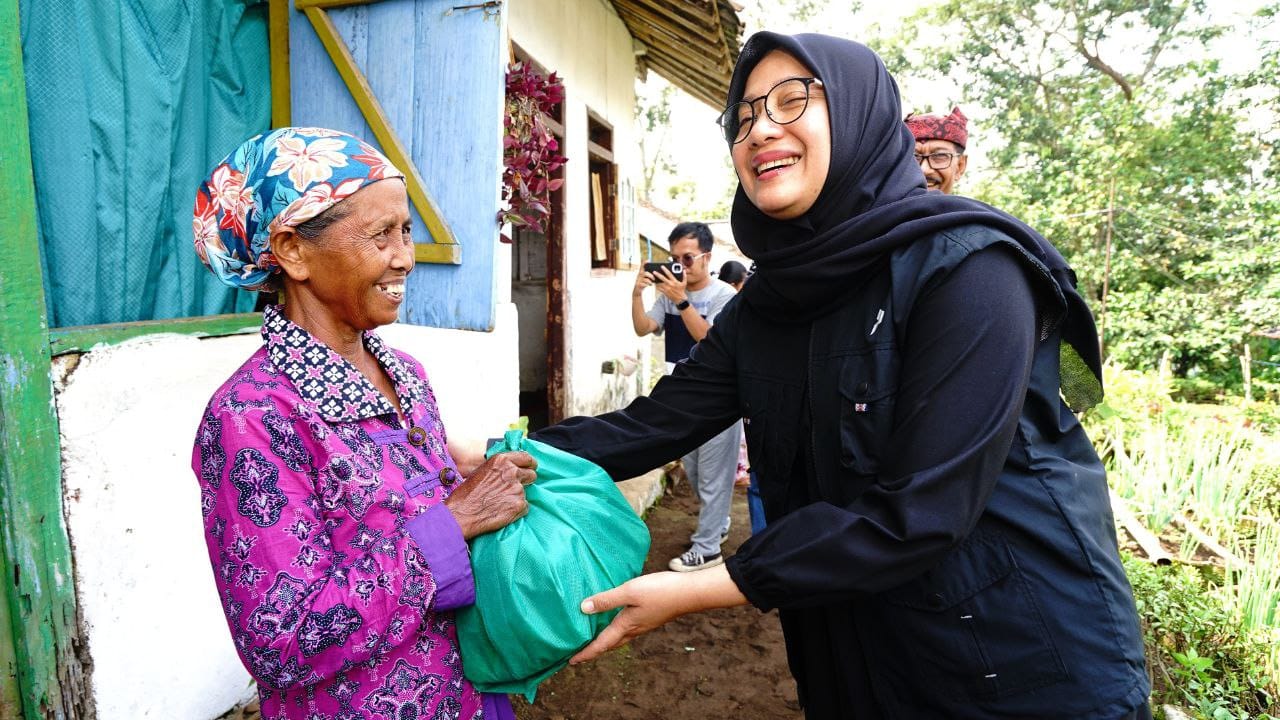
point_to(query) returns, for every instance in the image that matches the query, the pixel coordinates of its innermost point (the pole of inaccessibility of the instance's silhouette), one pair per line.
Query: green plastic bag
(580, 537)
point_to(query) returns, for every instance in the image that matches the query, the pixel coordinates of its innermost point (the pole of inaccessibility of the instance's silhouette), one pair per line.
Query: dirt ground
(725, 663)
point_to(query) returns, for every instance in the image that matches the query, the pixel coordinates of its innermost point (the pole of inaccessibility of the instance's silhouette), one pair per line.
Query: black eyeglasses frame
(949, 158)
(729, 116)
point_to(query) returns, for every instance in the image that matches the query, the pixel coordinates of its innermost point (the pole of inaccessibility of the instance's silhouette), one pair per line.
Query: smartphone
(656, 268)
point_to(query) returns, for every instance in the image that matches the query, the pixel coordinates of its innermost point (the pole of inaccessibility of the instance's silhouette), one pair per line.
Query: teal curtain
(131, 103)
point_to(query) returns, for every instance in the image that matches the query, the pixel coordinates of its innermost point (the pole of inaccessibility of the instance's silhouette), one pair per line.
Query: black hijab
(875, 201)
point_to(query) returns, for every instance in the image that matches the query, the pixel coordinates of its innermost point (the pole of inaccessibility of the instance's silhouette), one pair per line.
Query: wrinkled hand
(671, 286)
(493, 496)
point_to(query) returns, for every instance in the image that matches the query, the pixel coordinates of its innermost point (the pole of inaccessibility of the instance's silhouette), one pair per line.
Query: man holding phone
(686, 306)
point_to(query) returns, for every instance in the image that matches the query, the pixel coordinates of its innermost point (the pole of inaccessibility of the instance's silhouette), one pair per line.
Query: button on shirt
(335, 562)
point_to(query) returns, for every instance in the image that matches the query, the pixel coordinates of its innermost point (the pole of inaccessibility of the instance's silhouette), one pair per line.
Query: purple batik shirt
(337, 565)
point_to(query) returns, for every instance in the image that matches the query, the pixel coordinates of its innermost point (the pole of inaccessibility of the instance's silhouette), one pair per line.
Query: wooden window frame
(600, 161)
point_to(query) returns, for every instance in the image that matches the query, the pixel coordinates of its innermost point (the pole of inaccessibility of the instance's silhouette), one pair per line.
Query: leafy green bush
(1133, 398)
(1266, 476)
(1199, 655)
(1265, 417)
(1199, 389)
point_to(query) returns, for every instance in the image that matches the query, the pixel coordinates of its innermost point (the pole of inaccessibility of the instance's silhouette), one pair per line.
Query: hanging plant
(530, 152)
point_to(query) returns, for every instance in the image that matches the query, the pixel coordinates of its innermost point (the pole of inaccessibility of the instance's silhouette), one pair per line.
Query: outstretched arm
(651, 601)
(685, 409)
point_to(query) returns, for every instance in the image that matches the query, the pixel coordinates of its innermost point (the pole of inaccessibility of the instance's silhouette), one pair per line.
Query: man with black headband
(940, 540)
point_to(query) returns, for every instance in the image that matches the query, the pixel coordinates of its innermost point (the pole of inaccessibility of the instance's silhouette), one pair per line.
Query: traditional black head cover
(874, 201)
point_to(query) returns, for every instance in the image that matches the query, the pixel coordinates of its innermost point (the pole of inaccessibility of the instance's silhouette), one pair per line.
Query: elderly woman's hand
(493, 496)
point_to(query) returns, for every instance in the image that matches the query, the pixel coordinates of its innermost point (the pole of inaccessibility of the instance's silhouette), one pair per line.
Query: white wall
(128, 413)
(588, 46)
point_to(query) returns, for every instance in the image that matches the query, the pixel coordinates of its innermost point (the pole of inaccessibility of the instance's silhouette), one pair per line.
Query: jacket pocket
(769, 419)
(868, 386)
(973, 624)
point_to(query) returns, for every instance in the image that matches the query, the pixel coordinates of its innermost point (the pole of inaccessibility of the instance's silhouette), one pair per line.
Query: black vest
(1041, 567)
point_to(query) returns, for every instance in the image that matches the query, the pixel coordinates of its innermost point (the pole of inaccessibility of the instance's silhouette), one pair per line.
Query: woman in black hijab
(940, 543)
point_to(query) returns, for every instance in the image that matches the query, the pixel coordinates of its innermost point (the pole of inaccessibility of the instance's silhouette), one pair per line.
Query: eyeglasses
(784, 104)
(937, 160)
(688, 259)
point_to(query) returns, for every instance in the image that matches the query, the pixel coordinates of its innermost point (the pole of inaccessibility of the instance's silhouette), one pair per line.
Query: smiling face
(783, 168)
(944, 179)
(351, 277)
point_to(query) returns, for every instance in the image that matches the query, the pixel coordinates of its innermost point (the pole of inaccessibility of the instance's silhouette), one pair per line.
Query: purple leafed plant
(530, 152)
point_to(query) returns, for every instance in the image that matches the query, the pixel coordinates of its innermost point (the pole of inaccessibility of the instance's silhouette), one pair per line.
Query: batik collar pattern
(325, 379)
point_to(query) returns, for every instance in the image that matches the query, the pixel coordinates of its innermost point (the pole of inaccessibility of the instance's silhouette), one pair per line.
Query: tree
(653, 118)
(1121, 139)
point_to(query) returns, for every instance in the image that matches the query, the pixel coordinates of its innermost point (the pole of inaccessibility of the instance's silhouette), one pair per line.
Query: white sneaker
(692, 560)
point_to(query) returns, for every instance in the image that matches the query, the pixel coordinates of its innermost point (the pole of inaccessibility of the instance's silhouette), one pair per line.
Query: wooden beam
(660, 40)
(708, 92)
(36, 579)
(1146, 539)
(678, 61)
(685, 40)
(1208, 542)
(441, 253)
(327, 4)
(10, 700)
(278, 42)
(687, 73)
(599, 152)
(555, 126)
(707, 27)
(373, 113)
(671, 13)
(85, 337)
(726, 58)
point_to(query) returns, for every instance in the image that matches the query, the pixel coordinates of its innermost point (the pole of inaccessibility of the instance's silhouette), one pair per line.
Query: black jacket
(940, 541)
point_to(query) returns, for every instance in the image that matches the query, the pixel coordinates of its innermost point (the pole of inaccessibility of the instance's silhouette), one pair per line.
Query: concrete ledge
(642, 492)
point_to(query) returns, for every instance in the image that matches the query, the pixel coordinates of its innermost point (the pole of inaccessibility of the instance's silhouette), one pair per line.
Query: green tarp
(580, 537)
(131, 102)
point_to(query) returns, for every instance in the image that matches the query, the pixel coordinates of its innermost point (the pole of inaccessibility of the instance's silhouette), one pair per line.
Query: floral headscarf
(278, 179)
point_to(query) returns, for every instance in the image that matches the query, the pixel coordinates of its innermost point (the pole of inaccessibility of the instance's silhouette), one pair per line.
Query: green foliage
(653, 120)
(1199, 655)
(1176, 459)
(1212, 635)
(1151, 169)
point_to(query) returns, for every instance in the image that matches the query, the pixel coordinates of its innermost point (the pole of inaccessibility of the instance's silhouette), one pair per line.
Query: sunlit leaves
(1083, 96)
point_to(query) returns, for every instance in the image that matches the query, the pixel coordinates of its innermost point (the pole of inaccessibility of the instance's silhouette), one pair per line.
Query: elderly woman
(940, 542)
(335, 513)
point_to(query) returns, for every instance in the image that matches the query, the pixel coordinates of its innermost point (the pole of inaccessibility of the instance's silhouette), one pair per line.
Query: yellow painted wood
(441, 253)
(324, 4)
(278, 37)
(373, 113)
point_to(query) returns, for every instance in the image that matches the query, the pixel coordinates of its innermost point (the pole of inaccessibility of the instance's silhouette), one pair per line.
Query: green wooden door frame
(38, 643)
